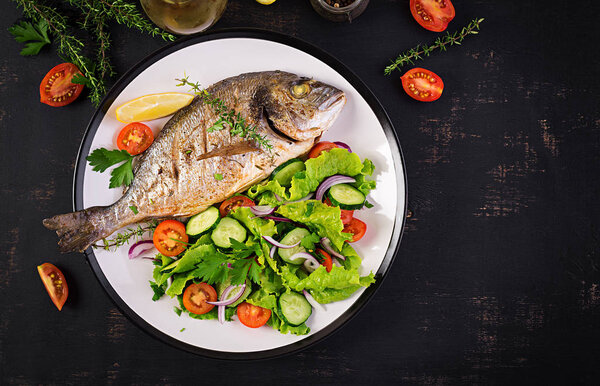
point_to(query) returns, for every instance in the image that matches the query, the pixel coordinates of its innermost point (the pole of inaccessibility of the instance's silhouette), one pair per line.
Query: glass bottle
(184, 17)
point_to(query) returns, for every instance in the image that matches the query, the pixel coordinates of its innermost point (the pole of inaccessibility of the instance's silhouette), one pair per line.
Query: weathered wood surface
(497, 278)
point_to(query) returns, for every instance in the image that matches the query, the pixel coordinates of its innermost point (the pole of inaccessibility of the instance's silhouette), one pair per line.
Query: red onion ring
(140, 247)
(278, 244)
(262, 210)
(277, 197)
(312, 301)
(226, 293)
(221, 314)
(272, 252)
(336, 262)
(310, 263)
(326, 243)
(329, 182)
(280, 219)
(343, 146)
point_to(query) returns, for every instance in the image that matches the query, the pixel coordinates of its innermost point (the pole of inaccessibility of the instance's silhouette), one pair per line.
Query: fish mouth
(336, 99)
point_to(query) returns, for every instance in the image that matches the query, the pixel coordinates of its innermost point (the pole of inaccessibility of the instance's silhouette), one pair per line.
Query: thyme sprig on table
(441, 43)
(96, 15)
(227, 116)
(125, 237)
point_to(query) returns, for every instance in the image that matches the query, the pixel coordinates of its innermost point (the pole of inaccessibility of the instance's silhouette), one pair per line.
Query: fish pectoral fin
(234, 149)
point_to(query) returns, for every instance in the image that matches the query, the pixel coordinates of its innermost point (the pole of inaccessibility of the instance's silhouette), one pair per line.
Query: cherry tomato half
(357, 228)
(253, 316)
(422, 85)
(233, 203)
(197, 295)
(326, 259)
(166, 235)
(433, 15)
(135, 138)
(320, 147)
(55, 284)
(345, 215)
(56, 88)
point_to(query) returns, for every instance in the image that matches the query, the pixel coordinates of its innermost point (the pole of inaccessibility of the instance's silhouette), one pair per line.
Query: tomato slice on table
(253, 316)
(320, 147)
(170, 237)
(55, 284)
(433, 15)
(326, 259)
(346, 215)
(357, 228)
(197, 295)
(56, 88)
(422, 85)
(233, 203)
(135, 138)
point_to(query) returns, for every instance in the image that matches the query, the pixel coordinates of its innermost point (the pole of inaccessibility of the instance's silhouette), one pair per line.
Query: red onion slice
(329, 182)
(140, 247)
(224, 297)
(310, 263)
(312, 301)
(278, 244)
(277, 197)
(272, 252)
(307, 197)
(262, 210)
(336, 262)
(327, 246)
(280, 219)
(221, 314)
(343, 145)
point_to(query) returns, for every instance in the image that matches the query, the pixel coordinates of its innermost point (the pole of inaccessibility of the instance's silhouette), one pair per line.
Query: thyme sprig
(125, 237)
(228, 118)
(441, 43)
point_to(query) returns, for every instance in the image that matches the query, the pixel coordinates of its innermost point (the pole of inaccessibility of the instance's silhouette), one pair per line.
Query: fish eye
(300, 90)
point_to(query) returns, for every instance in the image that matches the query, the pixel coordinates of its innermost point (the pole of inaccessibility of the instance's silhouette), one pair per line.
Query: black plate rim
(363, 90)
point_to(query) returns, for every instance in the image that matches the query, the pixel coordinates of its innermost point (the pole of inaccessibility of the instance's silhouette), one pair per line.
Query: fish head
(301, 108)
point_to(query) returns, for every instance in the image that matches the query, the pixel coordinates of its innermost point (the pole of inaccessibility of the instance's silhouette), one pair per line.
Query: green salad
(274, 253)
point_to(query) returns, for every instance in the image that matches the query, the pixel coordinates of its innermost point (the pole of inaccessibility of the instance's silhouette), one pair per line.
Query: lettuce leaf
(266, 300)
(322, 219)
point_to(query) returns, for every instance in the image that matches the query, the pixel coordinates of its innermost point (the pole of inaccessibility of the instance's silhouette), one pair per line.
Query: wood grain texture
(497, 280)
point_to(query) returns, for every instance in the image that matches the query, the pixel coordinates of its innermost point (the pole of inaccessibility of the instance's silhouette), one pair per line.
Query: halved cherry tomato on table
(357, 228)
(325, 259)
(320, 147)
(234, 203)
(135, 138)
(170, 238)
(433, 15)
(422, 85)
(56, 88)
(253, 316)
(55, 284)
(346, 215)
(197, 295)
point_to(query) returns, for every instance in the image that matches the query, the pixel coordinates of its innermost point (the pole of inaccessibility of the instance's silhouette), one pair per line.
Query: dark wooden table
(497, 277)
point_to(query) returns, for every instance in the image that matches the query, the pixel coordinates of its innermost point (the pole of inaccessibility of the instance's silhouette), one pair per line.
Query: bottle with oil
(184, 17)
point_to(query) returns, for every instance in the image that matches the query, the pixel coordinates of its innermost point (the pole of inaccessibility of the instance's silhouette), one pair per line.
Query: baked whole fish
(175, 175)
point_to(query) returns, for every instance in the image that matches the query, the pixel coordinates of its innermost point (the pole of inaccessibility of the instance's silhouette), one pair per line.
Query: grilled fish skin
(175, 175)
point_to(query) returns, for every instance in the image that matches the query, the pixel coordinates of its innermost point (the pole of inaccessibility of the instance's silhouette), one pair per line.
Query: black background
(497, 276)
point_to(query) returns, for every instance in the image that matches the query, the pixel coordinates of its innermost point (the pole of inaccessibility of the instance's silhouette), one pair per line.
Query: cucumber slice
(220, 287)
(295, 309)
(346, 196)
(225, 229)
(284, 172)
(202, 222)
(292, 237)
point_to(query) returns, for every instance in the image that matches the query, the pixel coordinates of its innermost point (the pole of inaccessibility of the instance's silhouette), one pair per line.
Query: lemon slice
(152, 106)
(265, 2)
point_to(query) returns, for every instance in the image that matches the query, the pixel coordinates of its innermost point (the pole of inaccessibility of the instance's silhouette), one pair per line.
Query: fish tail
(78, 230)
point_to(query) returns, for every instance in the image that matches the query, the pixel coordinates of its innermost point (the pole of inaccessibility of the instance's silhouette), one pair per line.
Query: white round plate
(209, 58)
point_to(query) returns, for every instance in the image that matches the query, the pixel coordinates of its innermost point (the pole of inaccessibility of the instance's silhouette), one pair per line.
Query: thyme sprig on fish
(228, 118)
(441, 43)
(123, 238)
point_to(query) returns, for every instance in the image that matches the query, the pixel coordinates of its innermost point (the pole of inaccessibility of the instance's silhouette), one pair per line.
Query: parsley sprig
(101, 159)
(228, 118)
(35, 36)
(216, 267)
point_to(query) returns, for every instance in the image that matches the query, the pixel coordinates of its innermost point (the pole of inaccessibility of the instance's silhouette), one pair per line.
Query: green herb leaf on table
(34, 36)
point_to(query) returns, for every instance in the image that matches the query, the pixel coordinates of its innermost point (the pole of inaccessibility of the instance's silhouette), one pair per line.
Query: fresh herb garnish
(177, 310)
(159, 290)
(441, 44)
(101, 159)
(309, 241)
(124, 237)
(34, 36)
(218, 176)
(182, 330)
(228, 118)
(134, 209)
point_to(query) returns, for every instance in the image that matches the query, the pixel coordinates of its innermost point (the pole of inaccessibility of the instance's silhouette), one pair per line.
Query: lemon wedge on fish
(152, 106)
(265, 2)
